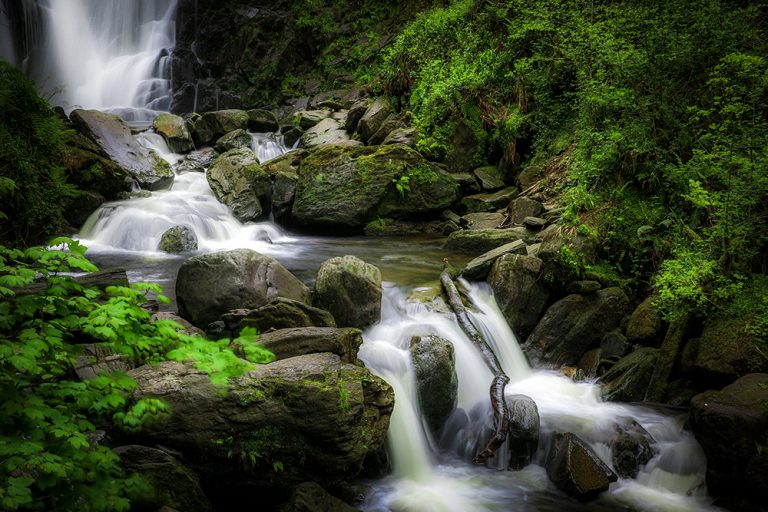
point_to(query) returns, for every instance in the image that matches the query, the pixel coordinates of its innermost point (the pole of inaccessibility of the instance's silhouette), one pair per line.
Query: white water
(428, 477)
(111, 55)
(136, 225)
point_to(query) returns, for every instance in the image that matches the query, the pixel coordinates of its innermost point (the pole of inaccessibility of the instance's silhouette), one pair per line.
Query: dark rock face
(479, 267)
(310, 497)
(576, 469)
(351, 290)
(629, 378)
(523, 207)
(112, 136)
(645, 323)
(631, 449)
(489, 201)
(436, 381)
(519, 291)
(575, 324)
(285, 343)
(210, 285)
(172, 485)
(178, 239)
(279, 313)
(732, 425)
(373, 118)
(524, 426)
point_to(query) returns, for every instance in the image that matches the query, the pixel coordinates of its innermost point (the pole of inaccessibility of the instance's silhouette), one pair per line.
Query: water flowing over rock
(238, 180)
(210, 285)
(576, 469)
(524, 424)
(313, 414)
(178, 239)
(113, 137)
(631, 447)
(174, 131)
(351, 290)
(434, 364)
(516, 282)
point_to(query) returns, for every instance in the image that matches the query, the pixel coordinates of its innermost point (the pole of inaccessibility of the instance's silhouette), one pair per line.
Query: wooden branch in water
(500, 379)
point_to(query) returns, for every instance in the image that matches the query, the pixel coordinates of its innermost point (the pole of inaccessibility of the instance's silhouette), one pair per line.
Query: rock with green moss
(178, 239)
(233, 140)
(645, 324)
(283, 172)
(89, 169)
(489, 201)
(489, 177)
(174, 130)
(209, 285)
(262, 121)
(238, 180)
(479, 241)
(390, 124)
(478, 268)
(306, 418)
(306, 119)
(403, 136)
(434, 364)
(486, 220)
(351, 290)
(629, 378)
(208, 127)
(327, 131)
(374, 117)
(113, 137)
(519, 290)
(347, 187)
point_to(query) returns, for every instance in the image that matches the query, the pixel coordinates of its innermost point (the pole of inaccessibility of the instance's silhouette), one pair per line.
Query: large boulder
(238, 180)
(283, 172)
(307, 418)
(489, 177)
(171, 484)
(210, 285)
(575, 324)
(262, 121)
(285, 343)
(88, 168)
(576, 469)
(233, 140)
(482, 220)
(478, 268)
(212, 125)
(351, 290)
(523, 207)
(327, 131)
(114, 139)
(374, 118)
(517, 284)
(348, 186)
(437, 385)
(178, 239)
(279, 313)
(523, 433)
(732, 427)
(489, 201)
(645, 323)
(629, 378)
(478, 241)
(174, 130)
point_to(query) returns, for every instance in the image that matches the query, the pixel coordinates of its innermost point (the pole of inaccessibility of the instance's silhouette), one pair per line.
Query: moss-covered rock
(210, 126)
(437, 385)
(262, 121)
(174, 131)
(351, 290)
(478, 268)
(629, 378)
(285, 343)
(238, 180)
(327, 131)
(178, 239)
(489, 201)
(374, 117)
(520, 293)
(347, 187)
(233, 140)
(478, 241)
(645, 323)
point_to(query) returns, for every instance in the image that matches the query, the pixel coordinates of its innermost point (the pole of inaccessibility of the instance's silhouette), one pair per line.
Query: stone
(238, 181)
(434, 364)
(171, 484)
(351, 290)
(262, 121)
(632, 448)
(669, 354)
(478, 268)
(629, 378)
(614, 344)
(279, 313)
(90, 169)
(374, 117)
(186, 327)
(462, 148)
(589, 364)
(235, 139)
(523, 207)
(197, 161)
(535, 223)
(390, 124)
(523, 433)
(517, 285)
(81, 206)
(403, 136)
(292, 136)
(356, 111)
(314, 415)
(483, 240)
(210, 126)
(645, 323)
(285, 343)
(178, 239)
(346, 187)
(585, 287)
(468, 183)
(488, 202)
(98, 358)
(731, 425)
(489, 178)
(114, 140)
(327, 131)
(306, 119)
(310, 497)
(210, 285)
(481, 220)
(174, 131)
(576, 469)
(576, 324)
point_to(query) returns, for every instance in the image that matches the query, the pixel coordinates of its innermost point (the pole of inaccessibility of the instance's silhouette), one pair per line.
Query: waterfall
(111, 55)
(431, 476)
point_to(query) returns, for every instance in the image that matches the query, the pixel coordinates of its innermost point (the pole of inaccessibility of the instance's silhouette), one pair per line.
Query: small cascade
(137, 224)
(441, 476)
(111, 55)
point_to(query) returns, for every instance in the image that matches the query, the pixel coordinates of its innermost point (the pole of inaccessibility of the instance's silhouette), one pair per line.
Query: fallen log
(500, 379)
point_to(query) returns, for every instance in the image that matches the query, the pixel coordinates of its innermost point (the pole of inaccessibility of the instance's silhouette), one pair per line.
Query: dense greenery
(33, 185)
(52, 456)
(657, 109)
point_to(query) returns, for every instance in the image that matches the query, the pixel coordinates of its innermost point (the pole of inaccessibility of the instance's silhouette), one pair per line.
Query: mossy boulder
(89, 169)
(489, 177)
(238, 180)
(283, 172)
(262, 121)
(174, 130)
(373, 118)
(520, 293)
(327, 131)
(523, 207)
(233, 140)
(434, 364)
(479, 241)
(645, 323)
(629, 378)
(285, 343)
(478, 268)
(178, 239)
(347, 187)
(489, 201)
(209, 126)
(351, 290)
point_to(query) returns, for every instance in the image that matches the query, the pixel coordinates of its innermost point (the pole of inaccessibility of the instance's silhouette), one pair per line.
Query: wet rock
(89, 168)
(174, 131)
(210, 126)
(488, 202)
(374, 117)
(233, 140)
(171, 484)
(403, 136)
(523, 431)
(631, 447)
(285, 343)
(97, 358)
(351, 290)
(523, 207)
(575, 324)
(614, 344)
(210, 285)
(178, 239)
(327, 131)
(481, 220)
(478, 268)
(313, 414)
(462, 147)
(437, 385)
(308, 118)
(262, 121)
(479, 241)
(628, 379)
(238, 181)
(81, 206)
(576, 469)
(310, 497)
(584, 287)
(197, 161)
(114, 140)
(589, 364)
(535, 223)
(645, 323)
(731, 425)
(489, 178)
(517, 284)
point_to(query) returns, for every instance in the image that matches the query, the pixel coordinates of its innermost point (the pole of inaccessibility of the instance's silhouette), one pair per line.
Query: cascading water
(111, 55)
(432, 477)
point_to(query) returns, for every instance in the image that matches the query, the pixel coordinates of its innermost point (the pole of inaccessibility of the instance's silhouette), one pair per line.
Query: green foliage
(402, 184)
(33, 186)
(50, 457)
